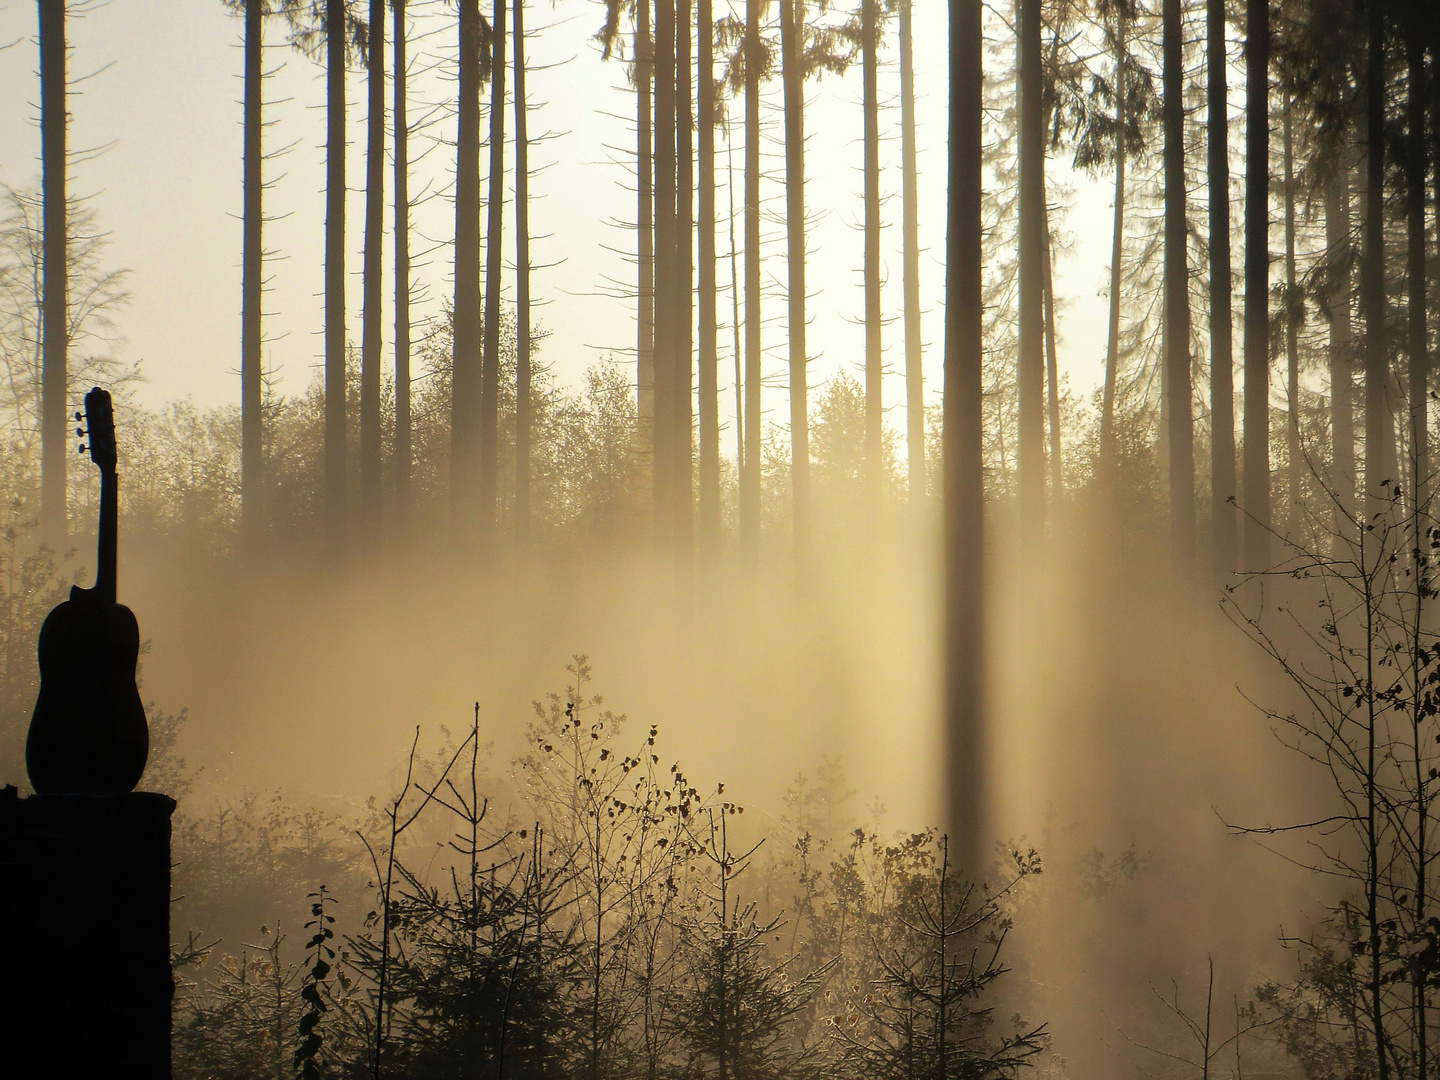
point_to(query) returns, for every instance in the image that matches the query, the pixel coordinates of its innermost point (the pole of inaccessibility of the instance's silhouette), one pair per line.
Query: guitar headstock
(98, 422)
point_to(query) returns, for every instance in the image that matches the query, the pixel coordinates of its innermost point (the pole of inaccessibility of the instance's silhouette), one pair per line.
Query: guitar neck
(107, 557)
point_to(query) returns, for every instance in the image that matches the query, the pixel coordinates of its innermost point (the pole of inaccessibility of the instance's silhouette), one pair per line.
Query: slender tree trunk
(645, 161)
(1117, 275)
(372, 273)
(403, 448)
(1416, 160)
(666, 258)
(750, 469)
(1177, 302)
(1052, 369)
(792, 34)
(964, 462)
(1292, 333)
(1222, 358)
(494, 235)
(252, 452)
(522, 289)
(1339, 258)
(910, 198)
(1372, 272)
(735, 308)
(465, 361)
(335, 273)
(54, 302)
(1031, 374)
(1257, 288)
(683, 508)
(709, 300)
(874, 404)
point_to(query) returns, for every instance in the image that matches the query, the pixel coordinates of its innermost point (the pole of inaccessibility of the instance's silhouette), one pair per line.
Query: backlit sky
(164, 93)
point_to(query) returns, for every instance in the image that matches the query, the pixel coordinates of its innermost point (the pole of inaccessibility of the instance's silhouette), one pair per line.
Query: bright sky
(164, 93)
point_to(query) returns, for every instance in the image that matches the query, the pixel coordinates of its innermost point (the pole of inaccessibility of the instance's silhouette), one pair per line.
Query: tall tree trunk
(792, 39)
(1416, 160)
(494, 235)
(964, 462)
(372, 276)
(735, 307)
(750, 470)
(1052, 368)
(1257, 288)
(874, 414)
(645, 165)
(1292, 332)
(683, 507)
(1339, 258)
(1117, 275)
(1031, 373)
(666, 256)
(1372, 271)
(403, 449)
(335, 273)
(465, 360)
(1177, 302)
(709, 300)
(522, 289)
(1222, 358)
(252, 273)
(910, 198)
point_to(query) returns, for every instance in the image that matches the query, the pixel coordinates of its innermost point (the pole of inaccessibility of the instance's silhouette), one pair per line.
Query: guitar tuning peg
(80, 449)
(79, 416)
(80, 431)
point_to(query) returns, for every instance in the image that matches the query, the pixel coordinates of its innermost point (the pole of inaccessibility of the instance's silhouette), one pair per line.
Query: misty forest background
(823, 618)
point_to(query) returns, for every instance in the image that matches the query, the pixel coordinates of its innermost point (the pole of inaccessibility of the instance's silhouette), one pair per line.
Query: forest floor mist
(1120, 736)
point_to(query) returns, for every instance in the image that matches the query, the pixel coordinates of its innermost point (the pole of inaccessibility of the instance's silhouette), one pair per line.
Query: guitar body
(88, 732)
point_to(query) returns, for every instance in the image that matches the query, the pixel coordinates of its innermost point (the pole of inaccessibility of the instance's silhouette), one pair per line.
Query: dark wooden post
(86, 898)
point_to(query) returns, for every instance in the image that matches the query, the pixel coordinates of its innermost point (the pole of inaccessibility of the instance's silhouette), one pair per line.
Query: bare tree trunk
(964, 463)
(403, 447)
(335, 274)
(1372, 273)
(465, 360)
(792, 45)
(494, 235)
(874, 414)
(1339, 257)
(750, 469)
(666, 257)
(1117, 275)
(1031, 373)
(1222, 358)
(914, 359)
(252, 452)
(1415, 169)
(735, 308)
(683, 508)
(1257, 288)
(645, 162)
(1292, 332)
(371, 277)
(709, 299)
(1177, 303)
(522, 290)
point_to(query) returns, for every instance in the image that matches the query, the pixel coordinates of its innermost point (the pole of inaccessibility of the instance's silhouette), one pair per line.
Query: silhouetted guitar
(88, 733)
